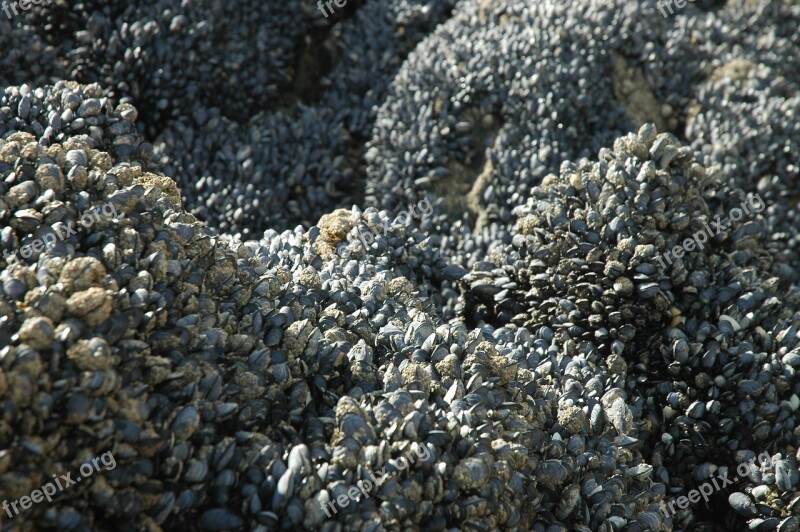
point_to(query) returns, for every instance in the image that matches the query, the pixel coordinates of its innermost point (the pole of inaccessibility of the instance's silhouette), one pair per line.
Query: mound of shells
(715, 327)
(523, 357)
(497, 98)
(592, 252)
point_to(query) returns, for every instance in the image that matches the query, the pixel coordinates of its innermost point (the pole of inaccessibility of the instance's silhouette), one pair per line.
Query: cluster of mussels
(248, 361)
